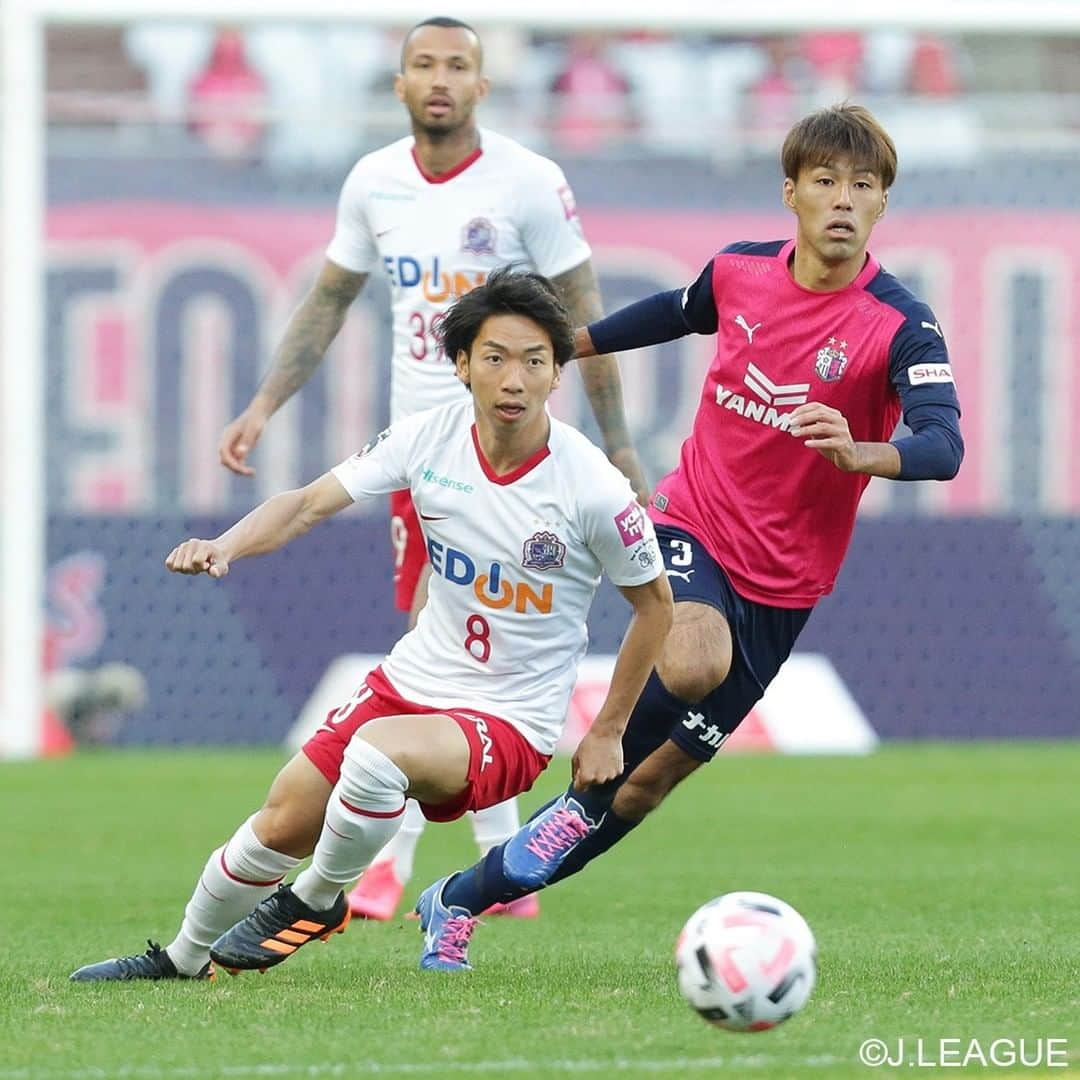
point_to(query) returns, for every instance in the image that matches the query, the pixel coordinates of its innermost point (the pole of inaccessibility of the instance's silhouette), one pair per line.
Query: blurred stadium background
(169, 182)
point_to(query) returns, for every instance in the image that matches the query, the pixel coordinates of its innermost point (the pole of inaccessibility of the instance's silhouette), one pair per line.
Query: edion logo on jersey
(493, 588)
(929, 373)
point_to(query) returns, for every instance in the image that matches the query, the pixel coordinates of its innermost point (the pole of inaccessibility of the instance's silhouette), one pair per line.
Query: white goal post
(22, 415)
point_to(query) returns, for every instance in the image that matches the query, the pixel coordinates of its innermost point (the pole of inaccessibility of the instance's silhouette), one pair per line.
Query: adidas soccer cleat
(275, 930)
(446, 931)
(524, 907)
(378, 892)
(152, 964)
(534, 853)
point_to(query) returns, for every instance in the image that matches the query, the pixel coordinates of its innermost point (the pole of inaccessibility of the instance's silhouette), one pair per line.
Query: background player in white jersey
(437, 212)
(522, 514)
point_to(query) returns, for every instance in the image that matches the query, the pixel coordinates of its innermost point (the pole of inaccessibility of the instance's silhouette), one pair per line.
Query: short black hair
(508, 292)
(447, 23)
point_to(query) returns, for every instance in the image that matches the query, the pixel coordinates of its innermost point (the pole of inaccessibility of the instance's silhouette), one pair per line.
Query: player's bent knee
(288, 830)
(692, 681)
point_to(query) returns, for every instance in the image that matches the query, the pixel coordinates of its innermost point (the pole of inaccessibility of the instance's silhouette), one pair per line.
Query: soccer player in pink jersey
(819, 351)
(522, 515)
(436, 212)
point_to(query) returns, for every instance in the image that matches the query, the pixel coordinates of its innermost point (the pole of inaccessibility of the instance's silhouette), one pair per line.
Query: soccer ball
(746, 961)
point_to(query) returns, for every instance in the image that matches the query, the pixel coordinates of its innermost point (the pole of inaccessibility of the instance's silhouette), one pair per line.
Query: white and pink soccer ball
(746, 961)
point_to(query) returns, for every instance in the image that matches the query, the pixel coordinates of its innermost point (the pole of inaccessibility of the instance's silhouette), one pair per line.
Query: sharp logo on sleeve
(932, 326)
(929, 373)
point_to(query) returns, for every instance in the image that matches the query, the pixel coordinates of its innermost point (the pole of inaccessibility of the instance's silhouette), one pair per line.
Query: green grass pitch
(943, 884)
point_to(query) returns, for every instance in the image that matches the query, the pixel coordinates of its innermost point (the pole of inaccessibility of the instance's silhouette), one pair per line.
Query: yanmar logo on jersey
(492, 587)
(437, 285)
(769, 395)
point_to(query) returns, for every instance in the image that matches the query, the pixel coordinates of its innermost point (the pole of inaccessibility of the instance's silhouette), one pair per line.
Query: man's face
(511, 371)
(440, 81)
(837, 205)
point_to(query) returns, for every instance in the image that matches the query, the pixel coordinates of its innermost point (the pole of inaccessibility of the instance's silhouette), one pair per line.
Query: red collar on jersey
(457, 170)
(526, 466)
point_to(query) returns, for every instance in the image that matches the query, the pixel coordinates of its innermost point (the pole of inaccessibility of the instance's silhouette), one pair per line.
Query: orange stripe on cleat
(308, 925)
(277, 946)
(293, 936)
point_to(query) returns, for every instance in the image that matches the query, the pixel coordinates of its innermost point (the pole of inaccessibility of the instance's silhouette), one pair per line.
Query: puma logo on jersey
(933, 326)
(740, 321)
(684, 574)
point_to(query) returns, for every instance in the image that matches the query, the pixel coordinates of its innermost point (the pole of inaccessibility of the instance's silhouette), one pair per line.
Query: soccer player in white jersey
(438, 211)
(521, 514)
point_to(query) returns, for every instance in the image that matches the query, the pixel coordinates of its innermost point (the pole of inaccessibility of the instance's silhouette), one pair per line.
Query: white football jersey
(516, 560)
(438, 238)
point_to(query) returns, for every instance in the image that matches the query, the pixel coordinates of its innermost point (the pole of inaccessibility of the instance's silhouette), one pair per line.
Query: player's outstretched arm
(580, 293)
(267, 528)
(312, 328)
(598, 757)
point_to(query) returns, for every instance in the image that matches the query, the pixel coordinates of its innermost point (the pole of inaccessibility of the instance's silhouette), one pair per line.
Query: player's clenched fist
(198, 557)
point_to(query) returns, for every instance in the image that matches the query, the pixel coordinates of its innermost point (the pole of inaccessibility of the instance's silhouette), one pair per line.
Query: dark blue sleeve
(935, 447)
(661, 317)
(920, 371)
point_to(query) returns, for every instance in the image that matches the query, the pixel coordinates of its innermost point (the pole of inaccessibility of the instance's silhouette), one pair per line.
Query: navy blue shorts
(762, 639)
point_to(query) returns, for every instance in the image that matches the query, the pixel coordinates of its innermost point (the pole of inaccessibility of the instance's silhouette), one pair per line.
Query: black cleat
(275, 930)
(152, 964)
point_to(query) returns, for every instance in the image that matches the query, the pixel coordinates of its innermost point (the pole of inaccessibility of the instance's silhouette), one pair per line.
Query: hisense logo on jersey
(438, 285)
(492, 586)
(430, 476)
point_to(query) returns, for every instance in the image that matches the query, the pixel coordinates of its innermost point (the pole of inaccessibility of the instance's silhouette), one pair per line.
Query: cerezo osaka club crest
(831, 360)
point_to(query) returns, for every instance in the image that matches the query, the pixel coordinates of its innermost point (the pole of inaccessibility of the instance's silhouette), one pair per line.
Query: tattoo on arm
(580, 292)
(312, 328)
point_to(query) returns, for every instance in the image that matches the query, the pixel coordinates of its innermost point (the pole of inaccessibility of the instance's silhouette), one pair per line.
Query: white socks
(402, 848)
(490, 827)
(365, 810)
(495, 824)
(234, 881)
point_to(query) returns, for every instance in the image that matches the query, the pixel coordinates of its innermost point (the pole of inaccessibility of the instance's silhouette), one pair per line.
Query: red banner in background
(141, 288)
